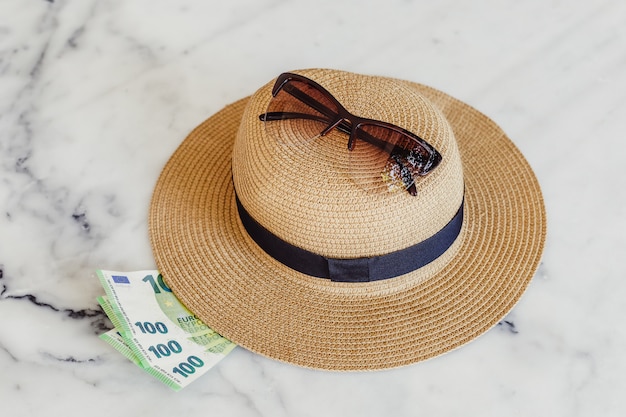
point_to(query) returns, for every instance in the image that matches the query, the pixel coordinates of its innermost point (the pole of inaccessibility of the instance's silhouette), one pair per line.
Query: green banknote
(115, 339)
(154, 330)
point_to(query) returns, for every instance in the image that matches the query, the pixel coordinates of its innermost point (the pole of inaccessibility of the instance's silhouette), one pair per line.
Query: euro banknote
(155, 331)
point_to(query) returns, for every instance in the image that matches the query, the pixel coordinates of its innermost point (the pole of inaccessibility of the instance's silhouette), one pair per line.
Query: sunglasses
(381, 154)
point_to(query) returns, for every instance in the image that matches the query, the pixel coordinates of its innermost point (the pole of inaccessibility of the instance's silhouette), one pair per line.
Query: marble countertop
(96, 95)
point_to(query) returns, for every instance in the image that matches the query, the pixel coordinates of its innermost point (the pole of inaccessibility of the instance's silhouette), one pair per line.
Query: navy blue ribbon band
(368, 269)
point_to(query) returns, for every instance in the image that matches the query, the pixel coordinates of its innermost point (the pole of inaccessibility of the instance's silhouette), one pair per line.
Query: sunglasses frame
(346, 122)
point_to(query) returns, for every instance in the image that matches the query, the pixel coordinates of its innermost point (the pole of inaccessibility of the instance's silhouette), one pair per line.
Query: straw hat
(303, 195)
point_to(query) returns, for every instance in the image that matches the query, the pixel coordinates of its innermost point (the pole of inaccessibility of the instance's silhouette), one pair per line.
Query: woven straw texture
(306, 195)
(221, 275)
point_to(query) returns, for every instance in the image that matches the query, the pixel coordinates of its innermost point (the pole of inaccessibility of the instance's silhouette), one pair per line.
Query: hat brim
(221, 275)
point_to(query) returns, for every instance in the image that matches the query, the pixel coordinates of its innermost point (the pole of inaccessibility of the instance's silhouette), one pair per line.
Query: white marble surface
(96, 94)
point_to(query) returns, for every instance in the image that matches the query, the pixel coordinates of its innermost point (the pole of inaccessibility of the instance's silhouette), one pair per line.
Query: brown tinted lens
(299, 113)
(387, 159)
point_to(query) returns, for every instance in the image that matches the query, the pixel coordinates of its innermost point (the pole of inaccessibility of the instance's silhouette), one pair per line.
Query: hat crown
(304, 193)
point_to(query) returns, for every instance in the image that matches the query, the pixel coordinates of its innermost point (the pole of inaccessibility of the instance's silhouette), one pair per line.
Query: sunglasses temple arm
(283, 115)
(343, 126)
